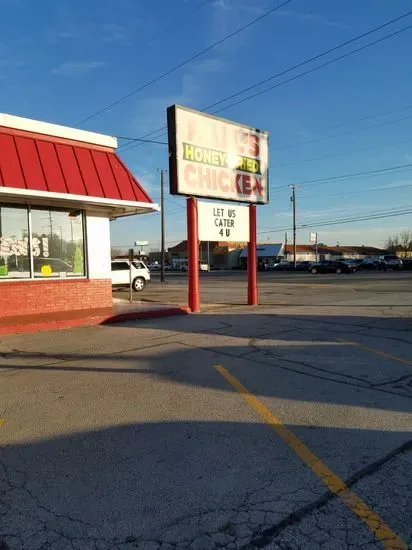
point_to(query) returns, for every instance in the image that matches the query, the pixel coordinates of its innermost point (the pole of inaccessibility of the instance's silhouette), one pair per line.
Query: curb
(19, 328)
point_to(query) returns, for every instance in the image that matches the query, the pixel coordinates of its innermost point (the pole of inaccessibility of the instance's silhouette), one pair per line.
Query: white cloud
(77, 68)
(229, 15)
(108, 33)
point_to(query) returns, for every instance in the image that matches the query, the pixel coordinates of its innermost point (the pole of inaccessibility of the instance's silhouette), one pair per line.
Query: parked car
(407, 264)
(392, 262)
(303, 265)
(157, 267)
(121, 274)
(372, 264)
(283, 266)
(329, 266)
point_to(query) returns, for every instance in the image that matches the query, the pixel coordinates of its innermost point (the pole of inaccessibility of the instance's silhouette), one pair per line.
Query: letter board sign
(215, 158)
(223, 222)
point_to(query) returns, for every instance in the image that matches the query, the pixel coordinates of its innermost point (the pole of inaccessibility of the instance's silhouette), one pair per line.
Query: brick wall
(45, 296)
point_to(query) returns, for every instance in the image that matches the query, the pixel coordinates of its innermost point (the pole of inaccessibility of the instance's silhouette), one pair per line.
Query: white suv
(121, 276)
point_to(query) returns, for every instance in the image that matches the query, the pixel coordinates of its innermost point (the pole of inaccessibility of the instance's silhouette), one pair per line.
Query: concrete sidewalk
(121, 311)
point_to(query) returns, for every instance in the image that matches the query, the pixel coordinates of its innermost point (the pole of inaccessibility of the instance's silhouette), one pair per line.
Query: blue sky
(61, 61)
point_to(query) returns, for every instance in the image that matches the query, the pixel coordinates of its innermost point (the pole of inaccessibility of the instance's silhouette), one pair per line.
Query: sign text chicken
(215, 158)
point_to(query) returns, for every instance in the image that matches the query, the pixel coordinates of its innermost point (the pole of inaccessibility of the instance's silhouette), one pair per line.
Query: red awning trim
(35, 164)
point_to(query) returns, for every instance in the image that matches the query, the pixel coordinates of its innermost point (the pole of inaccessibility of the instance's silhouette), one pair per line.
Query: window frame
(28, 209)
(120, 263)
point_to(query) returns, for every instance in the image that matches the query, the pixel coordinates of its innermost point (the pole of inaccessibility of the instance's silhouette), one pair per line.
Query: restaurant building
(59, 189)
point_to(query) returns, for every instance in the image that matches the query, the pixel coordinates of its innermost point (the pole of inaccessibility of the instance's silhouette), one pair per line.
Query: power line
(309, 60)
(371, 217)
(371, 190)
(407, 210)
(142, 140)
(343, 154)
(178, 204)
(347, 176)
(185, 62)
(345, 123)
(318, 67)
(378, 125)
(312, 70)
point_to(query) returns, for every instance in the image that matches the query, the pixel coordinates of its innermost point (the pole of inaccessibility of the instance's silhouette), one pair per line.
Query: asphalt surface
(279, 288)
(285, 426)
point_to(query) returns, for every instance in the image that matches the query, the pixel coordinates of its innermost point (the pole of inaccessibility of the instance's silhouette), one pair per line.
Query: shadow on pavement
(276, 355)
(212, 482)
(175, 482)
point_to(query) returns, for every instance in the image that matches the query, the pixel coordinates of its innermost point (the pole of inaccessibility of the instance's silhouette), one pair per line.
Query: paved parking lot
(286, 426)
(279, 288)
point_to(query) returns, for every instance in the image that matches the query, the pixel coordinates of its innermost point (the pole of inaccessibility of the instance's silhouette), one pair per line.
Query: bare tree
(115, 252)
(401, 243)
(392, 244)
(405, 243)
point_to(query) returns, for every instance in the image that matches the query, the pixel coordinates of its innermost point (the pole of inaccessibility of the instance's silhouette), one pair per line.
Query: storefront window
(57, 243)
(14, 243)
(56, 240)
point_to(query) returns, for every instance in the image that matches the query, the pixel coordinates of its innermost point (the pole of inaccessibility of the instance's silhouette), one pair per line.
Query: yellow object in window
(46, 270)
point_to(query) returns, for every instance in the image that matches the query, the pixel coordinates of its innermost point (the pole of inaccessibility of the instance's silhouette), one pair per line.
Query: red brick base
(45, 296)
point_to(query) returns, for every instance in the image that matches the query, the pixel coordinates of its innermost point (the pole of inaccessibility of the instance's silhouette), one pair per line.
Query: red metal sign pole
(193, 255)
(252, 290)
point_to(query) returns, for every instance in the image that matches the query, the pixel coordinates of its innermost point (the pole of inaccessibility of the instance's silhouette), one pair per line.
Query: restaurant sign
(215, 158)
(223, 222)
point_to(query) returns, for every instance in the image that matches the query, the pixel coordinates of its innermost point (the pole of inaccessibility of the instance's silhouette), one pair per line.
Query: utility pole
(293, 201)
(286, 246)
(162, 225)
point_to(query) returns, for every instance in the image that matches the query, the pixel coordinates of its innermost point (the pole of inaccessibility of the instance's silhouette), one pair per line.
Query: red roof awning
(48, 165)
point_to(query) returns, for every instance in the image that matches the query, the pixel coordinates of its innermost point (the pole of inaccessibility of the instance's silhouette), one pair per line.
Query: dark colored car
(372, 264)
(303, 265)
(392, 262)
(407, 264)
(283, 266)
(331, 266)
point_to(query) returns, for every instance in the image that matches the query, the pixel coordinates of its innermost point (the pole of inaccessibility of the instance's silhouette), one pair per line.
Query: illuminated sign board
(215, 158)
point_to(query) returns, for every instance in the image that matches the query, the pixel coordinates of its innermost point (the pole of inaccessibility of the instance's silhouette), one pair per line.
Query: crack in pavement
(239, 527)
(268, 535)
(364, 385)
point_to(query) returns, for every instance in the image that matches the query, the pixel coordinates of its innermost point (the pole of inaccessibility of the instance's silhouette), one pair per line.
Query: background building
(222, 255)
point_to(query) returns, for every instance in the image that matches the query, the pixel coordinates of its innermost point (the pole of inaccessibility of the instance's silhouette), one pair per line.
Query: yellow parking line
(376, 351)
(382, 532)
(2, 421)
